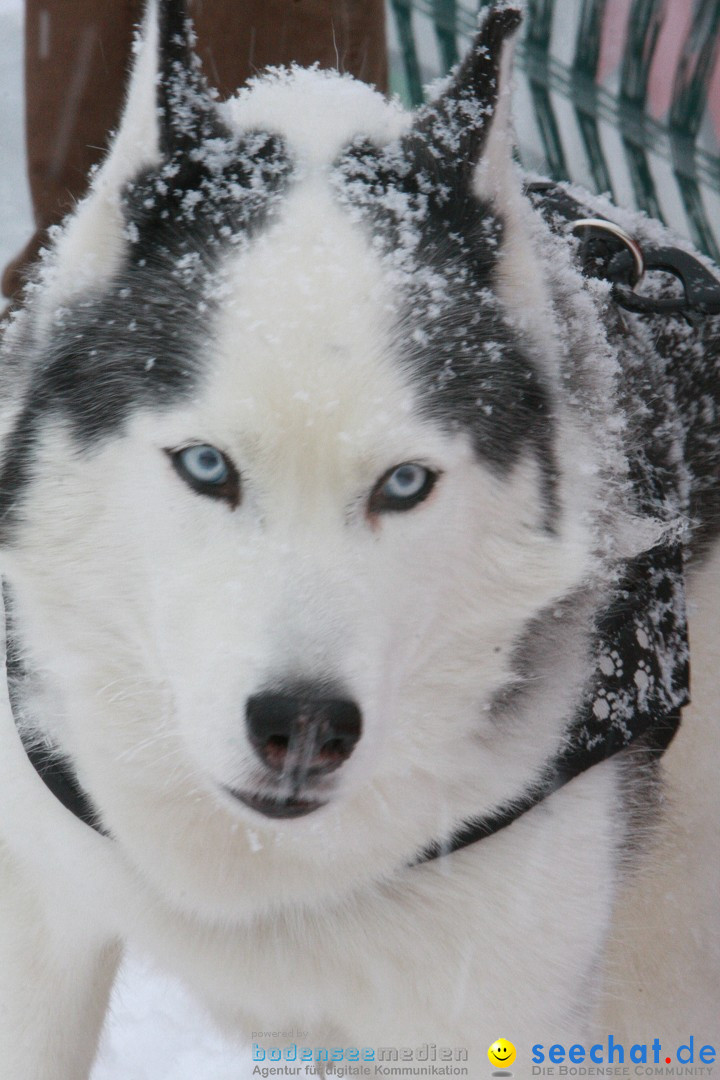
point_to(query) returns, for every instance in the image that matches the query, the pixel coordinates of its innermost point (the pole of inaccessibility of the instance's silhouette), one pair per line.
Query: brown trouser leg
(76, 60)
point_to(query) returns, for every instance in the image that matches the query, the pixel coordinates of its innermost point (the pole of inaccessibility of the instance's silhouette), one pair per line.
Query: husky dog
(344, 508)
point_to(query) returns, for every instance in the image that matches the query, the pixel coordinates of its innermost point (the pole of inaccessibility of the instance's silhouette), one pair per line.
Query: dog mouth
(274, 806)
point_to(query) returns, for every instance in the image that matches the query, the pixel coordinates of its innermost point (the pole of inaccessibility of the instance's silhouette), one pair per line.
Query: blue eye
(402, 487)
(204, 464)
(208, 471)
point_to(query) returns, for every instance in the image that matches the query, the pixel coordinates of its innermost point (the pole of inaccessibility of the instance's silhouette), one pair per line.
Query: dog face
(284, 495)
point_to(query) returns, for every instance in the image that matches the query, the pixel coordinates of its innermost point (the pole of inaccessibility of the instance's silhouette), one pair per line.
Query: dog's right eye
(208, 471)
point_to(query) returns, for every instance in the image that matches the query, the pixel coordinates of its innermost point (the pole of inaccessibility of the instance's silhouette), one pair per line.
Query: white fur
(188, 608)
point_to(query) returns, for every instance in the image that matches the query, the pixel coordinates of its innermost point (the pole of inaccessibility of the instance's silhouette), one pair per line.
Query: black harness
(640, 683)
(641, 661)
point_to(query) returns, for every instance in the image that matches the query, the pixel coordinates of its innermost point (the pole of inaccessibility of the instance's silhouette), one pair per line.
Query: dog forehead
(305, 328)
(306, 314)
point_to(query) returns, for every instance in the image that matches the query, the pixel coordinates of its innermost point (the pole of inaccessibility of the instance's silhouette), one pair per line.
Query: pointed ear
(186, 110)
(452, 133)
(168, 108)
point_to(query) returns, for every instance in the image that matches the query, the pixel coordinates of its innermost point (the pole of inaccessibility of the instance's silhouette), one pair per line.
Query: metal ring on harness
(610, 227)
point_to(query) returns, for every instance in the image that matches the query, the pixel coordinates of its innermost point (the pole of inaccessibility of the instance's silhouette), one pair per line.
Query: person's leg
(77, 56)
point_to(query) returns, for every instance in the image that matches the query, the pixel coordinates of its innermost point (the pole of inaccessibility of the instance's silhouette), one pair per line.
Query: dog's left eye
(208, 471)
(402, 487)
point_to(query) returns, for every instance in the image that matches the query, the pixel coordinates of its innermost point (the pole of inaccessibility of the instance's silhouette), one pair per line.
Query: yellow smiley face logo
(502, 1053)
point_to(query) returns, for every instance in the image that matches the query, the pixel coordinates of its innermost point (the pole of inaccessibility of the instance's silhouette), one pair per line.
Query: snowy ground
(155, 1031)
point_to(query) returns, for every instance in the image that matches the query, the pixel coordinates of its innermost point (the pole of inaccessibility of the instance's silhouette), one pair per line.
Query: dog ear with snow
(186, 111)
(451, 134)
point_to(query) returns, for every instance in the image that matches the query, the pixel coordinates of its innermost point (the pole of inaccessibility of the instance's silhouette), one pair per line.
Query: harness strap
(560, 773)
(639, 685)
(607, 252)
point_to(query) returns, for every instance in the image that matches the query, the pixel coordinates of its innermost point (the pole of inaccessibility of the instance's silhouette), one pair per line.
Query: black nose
(305, 735)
